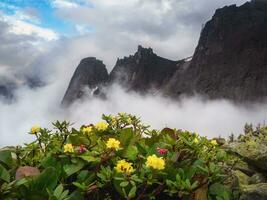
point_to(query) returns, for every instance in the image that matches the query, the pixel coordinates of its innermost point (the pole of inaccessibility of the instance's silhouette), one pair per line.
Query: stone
(257, 178)
(242, 178)
(254, 192)
(26, 171)
(254, 152)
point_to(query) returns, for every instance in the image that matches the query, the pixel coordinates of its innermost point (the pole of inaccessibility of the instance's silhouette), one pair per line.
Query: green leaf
(39, 185)
(83, 175)
(6, 157)
(73, 168)
(4, 175)
(126, 136)
(58, 191)
(132, 192)
(131, 152)
(124, 184)
(76, 195)
(220, 191)
(90, 158)
(79, 185)
(76, 139)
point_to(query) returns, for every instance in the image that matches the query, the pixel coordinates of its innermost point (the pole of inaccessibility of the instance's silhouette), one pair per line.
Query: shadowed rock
(90, 73)
(230, 60)
(144, 71)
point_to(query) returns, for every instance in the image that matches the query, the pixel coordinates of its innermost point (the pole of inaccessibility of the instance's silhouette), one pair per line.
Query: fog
(171, 28)
(42, 106)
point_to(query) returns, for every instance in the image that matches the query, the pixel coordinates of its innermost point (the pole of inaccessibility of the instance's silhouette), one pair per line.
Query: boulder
(254, 192)
(26, 171)
(254, 152)
(257, 178)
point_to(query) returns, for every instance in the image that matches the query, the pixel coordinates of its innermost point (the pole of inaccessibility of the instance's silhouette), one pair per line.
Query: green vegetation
(117, 158)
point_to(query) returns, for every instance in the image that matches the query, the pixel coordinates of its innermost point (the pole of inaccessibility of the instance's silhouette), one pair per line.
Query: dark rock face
(144, 71)
(91, 73)
(230, 60)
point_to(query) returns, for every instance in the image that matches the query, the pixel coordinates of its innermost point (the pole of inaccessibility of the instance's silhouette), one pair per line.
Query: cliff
(229, 62)
(90, 74)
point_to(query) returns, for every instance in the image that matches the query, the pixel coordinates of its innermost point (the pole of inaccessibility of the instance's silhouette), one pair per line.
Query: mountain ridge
(229, 61)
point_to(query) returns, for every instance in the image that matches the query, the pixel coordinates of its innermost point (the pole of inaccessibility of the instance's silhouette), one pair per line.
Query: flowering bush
(118, 158)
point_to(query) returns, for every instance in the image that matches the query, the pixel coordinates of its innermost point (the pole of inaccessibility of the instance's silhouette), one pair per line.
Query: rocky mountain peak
(90, 74)
(229, 62)
(143, 71)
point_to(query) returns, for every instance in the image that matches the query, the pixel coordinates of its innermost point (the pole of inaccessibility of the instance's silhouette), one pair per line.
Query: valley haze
(38, 65)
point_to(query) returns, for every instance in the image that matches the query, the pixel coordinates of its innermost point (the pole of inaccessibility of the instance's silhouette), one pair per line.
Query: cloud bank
(208, 118)
(170, 27)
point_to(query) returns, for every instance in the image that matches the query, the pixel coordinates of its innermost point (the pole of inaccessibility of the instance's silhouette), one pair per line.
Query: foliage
(118, 158)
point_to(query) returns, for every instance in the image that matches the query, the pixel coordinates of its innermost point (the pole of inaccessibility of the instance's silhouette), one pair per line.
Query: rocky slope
(143, 71)
(229, 62)
(90, 74)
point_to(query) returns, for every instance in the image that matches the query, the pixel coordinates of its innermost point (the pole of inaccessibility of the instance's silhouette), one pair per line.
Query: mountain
(143, 71)
(230, 62)
(90, 73)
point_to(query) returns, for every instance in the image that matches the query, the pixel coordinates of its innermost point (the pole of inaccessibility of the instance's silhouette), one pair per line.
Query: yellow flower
(196, 140)
(129, 120)
(35, 129)
(114, 120)
(101, 126)
(113, 144)
(68, 148)
(124, 167)
(87, 130)
(155, 162)
(122, 114)
(213, 142)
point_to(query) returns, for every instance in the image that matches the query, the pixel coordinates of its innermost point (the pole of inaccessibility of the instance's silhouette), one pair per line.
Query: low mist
(42, 106)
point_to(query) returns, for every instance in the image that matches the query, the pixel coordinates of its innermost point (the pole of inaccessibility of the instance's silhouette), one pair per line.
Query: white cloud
(41, 106)
(64, 4)
(21, 27)
(170, 27)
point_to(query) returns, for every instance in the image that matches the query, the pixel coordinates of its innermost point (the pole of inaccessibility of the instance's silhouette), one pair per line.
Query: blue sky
(45, 12)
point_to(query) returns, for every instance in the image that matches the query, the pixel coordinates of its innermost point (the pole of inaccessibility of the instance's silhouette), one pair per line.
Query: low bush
(117, 158)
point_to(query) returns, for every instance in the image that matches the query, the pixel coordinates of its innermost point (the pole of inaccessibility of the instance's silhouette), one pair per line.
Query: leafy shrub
(118, 158)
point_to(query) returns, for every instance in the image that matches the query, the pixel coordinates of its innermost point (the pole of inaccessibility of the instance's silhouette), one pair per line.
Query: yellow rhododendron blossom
(124, 167)
(114, 120)
(68, 148)
(101, 126)
(196, 140)
(113, 144)
(87, 130)
(129, 120)
(35, 129)
(155, 162)
(213, 142)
